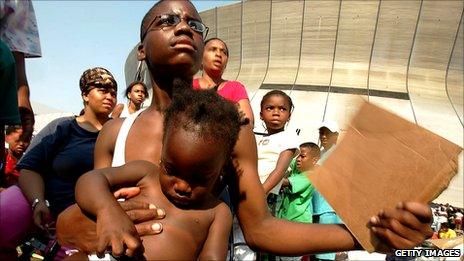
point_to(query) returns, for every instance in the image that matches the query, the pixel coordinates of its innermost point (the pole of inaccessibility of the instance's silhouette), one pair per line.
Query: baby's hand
(404, 227)
(116, 232)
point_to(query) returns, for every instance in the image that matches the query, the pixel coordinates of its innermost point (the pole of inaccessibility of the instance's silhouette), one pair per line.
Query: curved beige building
(405, 55)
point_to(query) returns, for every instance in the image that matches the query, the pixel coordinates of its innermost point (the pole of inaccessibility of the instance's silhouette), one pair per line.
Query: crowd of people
(174, 179)
(447, 220)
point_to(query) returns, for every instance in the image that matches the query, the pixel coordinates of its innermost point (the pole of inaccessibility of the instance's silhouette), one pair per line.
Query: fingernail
(160, 212)
(374, 229)
(399, 205)
(373, 220)
(151, 206)
(156, 227)
(381, 213)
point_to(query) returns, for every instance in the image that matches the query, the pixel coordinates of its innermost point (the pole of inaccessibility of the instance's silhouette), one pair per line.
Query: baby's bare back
(184, 231)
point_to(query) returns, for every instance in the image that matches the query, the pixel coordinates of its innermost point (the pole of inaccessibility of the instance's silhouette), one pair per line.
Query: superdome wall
(406, 56)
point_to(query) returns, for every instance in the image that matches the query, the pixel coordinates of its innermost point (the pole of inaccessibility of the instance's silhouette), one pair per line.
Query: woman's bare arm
(33, 187)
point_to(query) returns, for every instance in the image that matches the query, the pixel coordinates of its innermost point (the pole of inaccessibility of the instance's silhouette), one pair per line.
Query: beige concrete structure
(404, 55)
(255, 44)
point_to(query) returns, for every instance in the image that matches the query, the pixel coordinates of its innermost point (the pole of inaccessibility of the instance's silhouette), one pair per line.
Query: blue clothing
(323, 213)
(320, 205)
(62, 153)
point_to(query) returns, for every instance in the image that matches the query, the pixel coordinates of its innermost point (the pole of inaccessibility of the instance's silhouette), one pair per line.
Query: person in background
(276, 150)
(172, 36)
(328, 136)
(442, 216)
(458, 219)
(18, 30)
(136, 93)
(446, 232)
(51, 166)
(323, 213)
(9, 113)
(297, 189)
(278, 146)
(15, 150)
(49, 170)
(214, 63)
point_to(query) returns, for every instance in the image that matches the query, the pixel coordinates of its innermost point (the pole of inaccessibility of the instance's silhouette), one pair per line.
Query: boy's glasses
(168, 20)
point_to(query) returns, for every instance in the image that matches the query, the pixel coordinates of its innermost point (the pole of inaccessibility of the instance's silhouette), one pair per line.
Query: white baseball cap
(331, 125)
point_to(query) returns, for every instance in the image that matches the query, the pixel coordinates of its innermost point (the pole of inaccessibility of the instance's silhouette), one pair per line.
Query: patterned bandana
(97, 77)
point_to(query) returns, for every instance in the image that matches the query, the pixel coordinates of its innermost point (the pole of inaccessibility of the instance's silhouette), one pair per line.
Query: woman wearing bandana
(58, 156)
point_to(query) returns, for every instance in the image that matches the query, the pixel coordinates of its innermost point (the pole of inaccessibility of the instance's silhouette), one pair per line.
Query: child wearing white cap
(323, 213)
(328, 135)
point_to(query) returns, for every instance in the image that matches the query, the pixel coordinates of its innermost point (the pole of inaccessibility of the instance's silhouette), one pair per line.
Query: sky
(78, 35)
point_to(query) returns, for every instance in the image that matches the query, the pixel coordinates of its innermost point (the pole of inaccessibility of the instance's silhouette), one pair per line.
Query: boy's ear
(140, 52)
(261, 115)
(315, 160)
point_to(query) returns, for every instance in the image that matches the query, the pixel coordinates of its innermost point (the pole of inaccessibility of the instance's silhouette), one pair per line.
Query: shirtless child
(200, 131)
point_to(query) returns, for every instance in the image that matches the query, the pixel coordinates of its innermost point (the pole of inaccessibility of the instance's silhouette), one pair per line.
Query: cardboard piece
(447, 243)
(382, 160)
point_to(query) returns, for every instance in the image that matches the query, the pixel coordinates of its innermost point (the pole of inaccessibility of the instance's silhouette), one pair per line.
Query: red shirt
(10, 165)
(231, 90)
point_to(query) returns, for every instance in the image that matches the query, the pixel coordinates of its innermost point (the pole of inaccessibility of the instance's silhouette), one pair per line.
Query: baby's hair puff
(204, 113)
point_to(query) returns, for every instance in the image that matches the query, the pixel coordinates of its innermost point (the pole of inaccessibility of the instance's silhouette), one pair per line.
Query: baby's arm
(215, 246)
(285, 157)
(114, 228)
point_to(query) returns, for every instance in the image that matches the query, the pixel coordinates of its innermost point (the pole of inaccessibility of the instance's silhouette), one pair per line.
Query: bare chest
(144, 141)
(184, 231)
